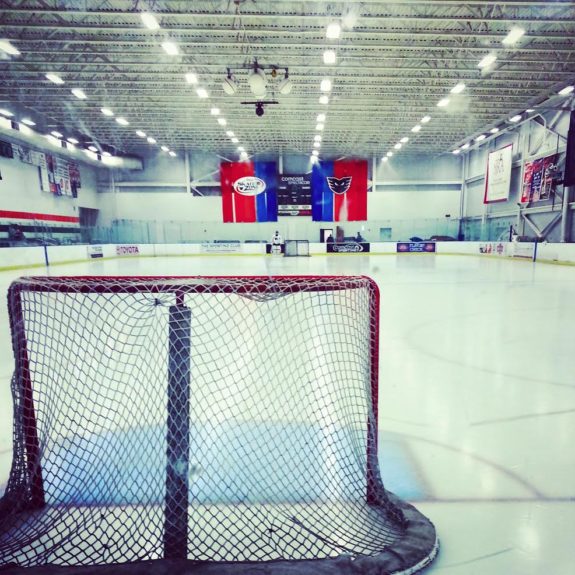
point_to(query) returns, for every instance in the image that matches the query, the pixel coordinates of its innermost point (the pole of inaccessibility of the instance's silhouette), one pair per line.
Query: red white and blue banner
(339, 191)
(249, 191)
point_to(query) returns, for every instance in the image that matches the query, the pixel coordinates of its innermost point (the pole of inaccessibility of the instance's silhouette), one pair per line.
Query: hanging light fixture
(257, 80)
(286, 85)
(229, 84)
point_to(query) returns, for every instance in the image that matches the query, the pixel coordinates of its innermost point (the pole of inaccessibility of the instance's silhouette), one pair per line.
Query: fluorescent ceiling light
(465, 146)
(57, 134)
(6, 113)
(458, 151)
(333, 31)
(241, 149)
(149, 21)
(170, 48)
(325, 85)
(425, 119)
(514, 35)
(323, 100)
(202, 93)
(122, 121)
(384, 159)
(235, 141)
(28, 122)
(319, 127)
(230, 134)
(458, 88)
(315, 153)
(54, 78)
(567, 90)
(443, 103)
(244, 156)
(106, 111)
(79, 93)
(487, 60)
(404, 140)
(317, 138)
(9, 48)
(140, 133)
(389, 154)
(480, 138)
(215, 111)
(92, 149)
(191, 78)
(416, 129)
(151, 140)
(321, 118)
(106, 154)
(165, 149)
(317, 144)
(73, 141)
(329, 57)
(515, 118)
(222, 121)
(530, 110)
(172, 153)
(494, 130)
(398, 146)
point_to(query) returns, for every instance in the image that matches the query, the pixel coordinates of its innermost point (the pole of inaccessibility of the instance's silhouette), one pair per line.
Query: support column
(566, 215)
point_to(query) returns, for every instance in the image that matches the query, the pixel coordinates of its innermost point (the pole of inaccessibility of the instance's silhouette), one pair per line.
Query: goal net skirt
(203, 420)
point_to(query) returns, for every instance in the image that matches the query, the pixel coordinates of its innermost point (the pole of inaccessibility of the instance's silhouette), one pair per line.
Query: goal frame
(297, 244)
(153, 284)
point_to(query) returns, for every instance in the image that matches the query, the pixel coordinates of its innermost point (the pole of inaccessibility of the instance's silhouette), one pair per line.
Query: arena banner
(538, 183)
(95, 252)
(221, 247)
(127, 250)
(348, 248)
(294, 195)
(498, 176)
(415, 247)
(339, 191)
(249, 191)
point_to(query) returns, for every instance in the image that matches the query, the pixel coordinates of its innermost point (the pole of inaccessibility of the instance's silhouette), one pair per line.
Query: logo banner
(249, 191)
(416, 247)
(339, 191)
(498, 177)
(538, 183)
(348, 248)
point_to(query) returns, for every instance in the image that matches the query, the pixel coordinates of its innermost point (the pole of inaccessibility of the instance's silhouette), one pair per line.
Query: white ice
(476, 380)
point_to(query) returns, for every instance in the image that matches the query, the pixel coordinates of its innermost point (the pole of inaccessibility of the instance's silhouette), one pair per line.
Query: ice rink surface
(477, 394)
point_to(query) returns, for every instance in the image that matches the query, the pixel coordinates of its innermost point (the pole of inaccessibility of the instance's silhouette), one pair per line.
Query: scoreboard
(294, 195)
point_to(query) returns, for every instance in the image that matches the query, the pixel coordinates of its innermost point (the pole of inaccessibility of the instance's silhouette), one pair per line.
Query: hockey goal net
(220, 419)
(296, 248)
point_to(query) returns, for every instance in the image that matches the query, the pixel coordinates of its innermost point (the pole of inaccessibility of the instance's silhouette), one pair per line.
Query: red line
(36, 216)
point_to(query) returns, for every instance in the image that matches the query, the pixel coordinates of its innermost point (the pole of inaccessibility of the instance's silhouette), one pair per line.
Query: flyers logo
(339, 185)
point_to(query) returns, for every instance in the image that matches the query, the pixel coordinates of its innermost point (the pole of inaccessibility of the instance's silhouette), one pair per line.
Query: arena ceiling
(394, 61)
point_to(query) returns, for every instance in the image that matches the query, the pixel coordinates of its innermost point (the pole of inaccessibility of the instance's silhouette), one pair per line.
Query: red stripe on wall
(36, 216)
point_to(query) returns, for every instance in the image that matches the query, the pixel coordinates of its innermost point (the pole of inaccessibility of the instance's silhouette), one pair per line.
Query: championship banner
(538, 183)
(498, 177)
(249, 191)
(339, 191)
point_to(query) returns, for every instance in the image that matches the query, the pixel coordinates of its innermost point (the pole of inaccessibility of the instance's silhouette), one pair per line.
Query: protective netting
(207, 419)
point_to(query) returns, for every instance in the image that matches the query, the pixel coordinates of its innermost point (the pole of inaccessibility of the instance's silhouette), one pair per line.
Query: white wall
(20, 190)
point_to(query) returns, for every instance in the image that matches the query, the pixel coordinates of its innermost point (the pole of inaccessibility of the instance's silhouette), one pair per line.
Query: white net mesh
(211, 419)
